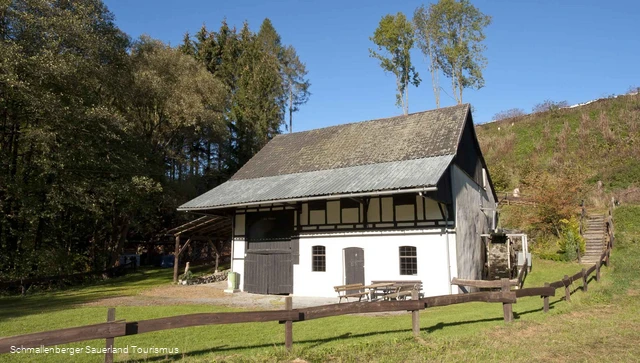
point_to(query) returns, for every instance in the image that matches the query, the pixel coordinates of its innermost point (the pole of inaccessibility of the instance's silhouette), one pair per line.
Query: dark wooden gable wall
(468, 157)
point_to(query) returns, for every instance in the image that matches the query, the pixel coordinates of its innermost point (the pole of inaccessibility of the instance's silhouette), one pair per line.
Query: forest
(103, 136)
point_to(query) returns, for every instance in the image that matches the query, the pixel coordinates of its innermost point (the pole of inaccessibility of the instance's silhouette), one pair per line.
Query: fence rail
(112, 328)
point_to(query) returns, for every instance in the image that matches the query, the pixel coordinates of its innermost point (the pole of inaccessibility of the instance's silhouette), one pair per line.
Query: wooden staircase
(594, 235)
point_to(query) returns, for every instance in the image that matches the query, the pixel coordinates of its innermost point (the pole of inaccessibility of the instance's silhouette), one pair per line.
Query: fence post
(567, 288)
(598, 271)
(288, 325)
(176, 260)
(584, 280)
(546, 300)
(415, 315)
(507, 308)
(108, 355)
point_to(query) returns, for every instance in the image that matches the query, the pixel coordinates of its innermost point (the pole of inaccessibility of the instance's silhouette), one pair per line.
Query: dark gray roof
(393, 175)
(395, 153)
(418, 135)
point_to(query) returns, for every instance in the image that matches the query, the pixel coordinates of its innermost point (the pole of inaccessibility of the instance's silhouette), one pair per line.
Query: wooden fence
(494, 284)
(118, 328)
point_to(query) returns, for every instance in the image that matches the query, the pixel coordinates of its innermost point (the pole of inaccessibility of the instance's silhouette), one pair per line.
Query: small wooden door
(353, 265)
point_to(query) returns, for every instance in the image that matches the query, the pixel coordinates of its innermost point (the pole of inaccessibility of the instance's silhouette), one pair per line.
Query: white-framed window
(318, 258)
(408, 260)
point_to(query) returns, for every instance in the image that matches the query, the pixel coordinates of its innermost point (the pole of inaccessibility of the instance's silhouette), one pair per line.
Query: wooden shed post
(415, 314)
(176, 255)
(108, 355)
(507, 307)
(567, 288)
(546, 300)
(288, 325)
(584, 280)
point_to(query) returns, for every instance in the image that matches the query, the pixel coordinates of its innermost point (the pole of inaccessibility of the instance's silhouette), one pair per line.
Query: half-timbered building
(401, 198)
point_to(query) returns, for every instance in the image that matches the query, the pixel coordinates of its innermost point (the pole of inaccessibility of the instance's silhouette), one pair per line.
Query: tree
(258, 107)
(456, 31)
(263, 79)
(102, 138)
(295, 84)
(173, 94)
(549, 105)
(510, 113)
(394, 39)
(293, 71)
(65, 152)
(426, 34)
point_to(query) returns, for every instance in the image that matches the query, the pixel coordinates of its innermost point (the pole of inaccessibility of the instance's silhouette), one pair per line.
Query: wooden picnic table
(379, 287)
(397, 289)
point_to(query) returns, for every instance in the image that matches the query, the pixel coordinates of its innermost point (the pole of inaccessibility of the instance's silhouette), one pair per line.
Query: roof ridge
(373, 120)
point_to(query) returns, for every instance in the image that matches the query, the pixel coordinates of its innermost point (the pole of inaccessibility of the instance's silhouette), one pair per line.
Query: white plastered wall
(238, 248)
(381, 254)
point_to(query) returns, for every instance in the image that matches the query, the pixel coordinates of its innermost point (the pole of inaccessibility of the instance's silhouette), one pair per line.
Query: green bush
(550, 255)
(186, 276)
(570, 239)
(545, 246)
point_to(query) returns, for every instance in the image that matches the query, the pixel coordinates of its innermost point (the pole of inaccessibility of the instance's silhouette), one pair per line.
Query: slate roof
(354, 179)
(418, 135)
(386, 154)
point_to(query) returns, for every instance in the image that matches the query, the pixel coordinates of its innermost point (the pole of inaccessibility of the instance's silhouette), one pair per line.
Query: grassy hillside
(574, 147)
(557, 158)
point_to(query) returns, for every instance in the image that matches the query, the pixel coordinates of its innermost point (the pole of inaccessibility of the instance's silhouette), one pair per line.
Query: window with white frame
(408, 260)
(318, 258)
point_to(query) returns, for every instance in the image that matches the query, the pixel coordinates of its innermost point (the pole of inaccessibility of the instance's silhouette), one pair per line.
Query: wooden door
(268, 262)
(353, 265)
(268, 273)
(256, 273)
(281, 274)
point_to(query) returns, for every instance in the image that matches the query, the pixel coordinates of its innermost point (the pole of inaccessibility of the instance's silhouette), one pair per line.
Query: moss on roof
(415, 136)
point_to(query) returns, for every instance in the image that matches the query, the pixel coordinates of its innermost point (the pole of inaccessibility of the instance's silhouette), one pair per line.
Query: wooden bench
(346, 291)
(400, 289)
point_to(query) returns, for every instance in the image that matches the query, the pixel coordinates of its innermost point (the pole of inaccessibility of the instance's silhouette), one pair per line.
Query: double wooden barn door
(268, 264)
(268, 273)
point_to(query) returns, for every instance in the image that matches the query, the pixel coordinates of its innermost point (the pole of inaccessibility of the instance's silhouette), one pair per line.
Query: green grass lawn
(602, 324)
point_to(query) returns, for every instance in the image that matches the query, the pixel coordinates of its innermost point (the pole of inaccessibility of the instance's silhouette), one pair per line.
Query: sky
(567, 50)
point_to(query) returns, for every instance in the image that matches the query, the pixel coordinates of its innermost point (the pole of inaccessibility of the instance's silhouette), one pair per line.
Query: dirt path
(208, 294)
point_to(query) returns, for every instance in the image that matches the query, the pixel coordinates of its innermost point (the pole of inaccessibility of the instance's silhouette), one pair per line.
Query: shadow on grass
(441, 326)
(312, 343)
(62, 299)
(224, 348)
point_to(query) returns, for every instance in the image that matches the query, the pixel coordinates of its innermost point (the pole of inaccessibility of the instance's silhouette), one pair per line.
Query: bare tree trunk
(435, 82)
(457, 78)
(406, 91)
(121, 237)
(453, 86)
(290, 111)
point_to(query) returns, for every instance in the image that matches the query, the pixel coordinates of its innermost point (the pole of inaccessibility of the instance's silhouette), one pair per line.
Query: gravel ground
(210, 294)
